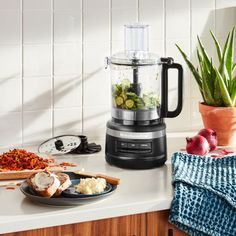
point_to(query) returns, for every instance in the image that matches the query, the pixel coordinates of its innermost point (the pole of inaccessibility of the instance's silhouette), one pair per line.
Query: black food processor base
(135, 147)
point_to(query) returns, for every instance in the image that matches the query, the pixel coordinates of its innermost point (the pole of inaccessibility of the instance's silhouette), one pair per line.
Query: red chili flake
(216, 155)
(20, 159)
(63, 164)
(225, 152)
(10, 188)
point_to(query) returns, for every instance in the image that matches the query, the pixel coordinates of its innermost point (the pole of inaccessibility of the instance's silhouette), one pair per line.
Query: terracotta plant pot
(222, 120)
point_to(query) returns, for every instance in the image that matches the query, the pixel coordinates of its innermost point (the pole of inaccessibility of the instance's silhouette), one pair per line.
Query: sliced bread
(64, 183)
(44, 183)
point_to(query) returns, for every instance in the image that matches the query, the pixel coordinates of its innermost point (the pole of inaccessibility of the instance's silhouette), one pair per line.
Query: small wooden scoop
(109, 179)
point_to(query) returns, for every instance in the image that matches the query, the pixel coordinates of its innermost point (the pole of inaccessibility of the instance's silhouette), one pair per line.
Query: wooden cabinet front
(146, 224)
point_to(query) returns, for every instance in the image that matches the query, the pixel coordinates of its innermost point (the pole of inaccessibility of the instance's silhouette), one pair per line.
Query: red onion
(211, 137)
(197, 145)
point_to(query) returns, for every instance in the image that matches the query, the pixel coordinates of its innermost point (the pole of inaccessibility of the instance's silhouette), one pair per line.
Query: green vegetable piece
(119, 101)
(129, 103)
(125, 84)
(123, 95)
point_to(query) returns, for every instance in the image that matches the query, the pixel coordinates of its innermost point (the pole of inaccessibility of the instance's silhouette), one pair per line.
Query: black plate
(69, 200)
(70, 192)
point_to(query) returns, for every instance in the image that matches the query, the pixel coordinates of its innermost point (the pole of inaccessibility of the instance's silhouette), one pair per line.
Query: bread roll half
(44, 183)
(64, 183)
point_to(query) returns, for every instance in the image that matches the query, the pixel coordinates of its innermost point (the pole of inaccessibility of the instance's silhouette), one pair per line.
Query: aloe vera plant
(216, 84)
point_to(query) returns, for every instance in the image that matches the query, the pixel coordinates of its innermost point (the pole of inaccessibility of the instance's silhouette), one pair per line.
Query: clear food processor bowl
(136, 79)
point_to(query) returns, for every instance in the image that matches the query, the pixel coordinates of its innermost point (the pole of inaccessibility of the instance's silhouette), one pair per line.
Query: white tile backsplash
(67, 26)
(157, 46)
(94, 121)
(180, 4)
(94, 56)
(96, 23)
(68, 4)
(10, 27)
(67, 59)
(182, 121)
(177, 22)
(225, 3)
(52, 60)
(37, 27)
(148, 9)
(37, 126)
(225, 20)
(10, 128)
(68, 121)
(96, 89)
(172, 51)
(10, 61)
(118, 4)
(196, 120)
(37, 93)
(203, 4)
(11, 93)
(37, 5)
(10, 5)
(120, 17)
(203, 20)
(37, 60)
(67, 91)
(98, 5)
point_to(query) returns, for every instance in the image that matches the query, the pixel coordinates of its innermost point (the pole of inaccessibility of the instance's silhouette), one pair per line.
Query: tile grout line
(190, 55)
(52, 69)
(138, 11)
(215, 5)
(110, 39)
(82, 65)
(164, 28)
(22, 73)
(110, 25)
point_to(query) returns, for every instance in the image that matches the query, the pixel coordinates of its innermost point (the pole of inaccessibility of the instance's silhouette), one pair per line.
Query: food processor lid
(136, 48)
(122, 58)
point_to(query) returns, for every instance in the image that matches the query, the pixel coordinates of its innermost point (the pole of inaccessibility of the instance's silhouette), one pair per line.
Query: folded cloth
(204, 200)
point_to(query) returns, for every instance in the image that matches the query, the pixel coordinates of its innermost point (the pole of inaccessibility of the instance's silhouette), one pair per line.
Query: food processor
(136, 133)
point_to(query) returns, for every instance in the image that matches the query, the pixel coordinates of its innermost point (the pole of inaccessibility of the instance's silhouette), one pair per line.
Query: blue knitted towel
(204, 200)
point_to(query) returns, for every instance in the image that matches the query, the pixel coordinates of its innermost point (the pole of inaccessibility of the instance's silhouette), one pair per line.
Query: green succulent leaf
(224, 92)
(229, 54)
(199, 56)
(207, 83)
(204, 53)
(217, 85)
(207, 92)
(217, 45)
(217, 94)
(223, 59)
(234, 67)
(233, 91)
(192, 69)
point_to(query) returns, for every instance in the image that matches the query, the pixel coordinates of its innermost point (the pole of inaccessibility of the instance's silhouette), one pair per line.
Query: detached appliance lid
(60, 145)
(71, 144)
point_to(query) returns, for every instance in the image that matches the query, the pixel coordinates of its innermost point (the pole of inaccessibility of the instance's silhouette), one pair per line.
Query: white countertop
(140, 191)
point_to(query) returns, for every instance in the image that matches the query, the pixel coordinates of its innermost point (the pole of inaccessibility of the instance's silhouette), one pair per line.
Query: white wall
(52, 77)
